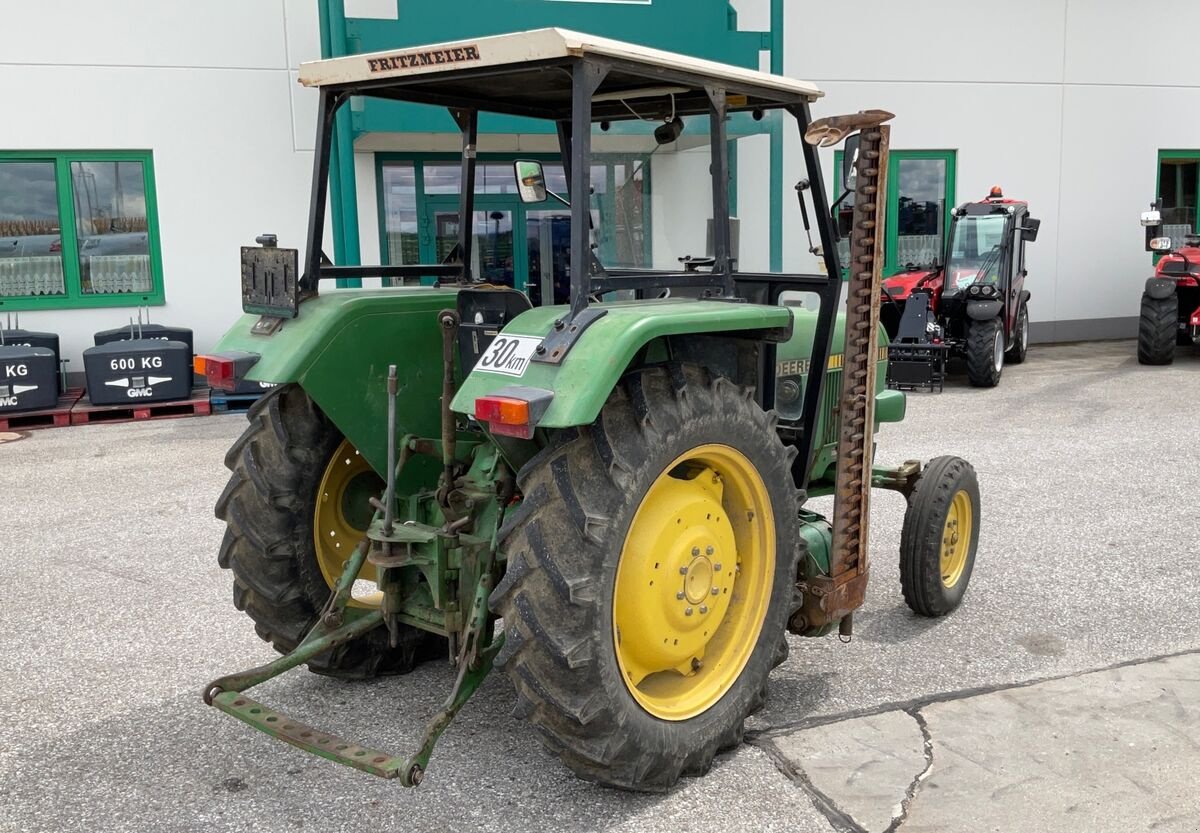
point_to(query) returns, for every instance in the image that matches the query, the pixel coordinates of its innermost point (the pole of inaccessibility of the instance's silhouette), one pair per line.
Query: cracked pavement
(114, 614)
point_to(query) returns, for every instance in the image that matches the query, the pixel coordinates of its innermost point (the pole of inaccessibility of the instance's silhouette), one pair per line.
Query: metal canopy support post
(326, 110)
(830, 300)
(468, 123)
(723, 262)
(585, 79)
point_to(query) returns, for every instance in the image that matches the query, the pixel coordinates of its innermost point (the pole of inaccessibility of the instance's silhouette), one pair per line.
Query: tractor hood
(901, 286)
(1183, 262)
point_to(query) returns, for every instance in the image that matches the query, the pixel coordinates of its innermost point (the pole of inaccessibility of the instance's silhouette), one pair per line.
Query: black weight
(146, 332)
(29, 338)
(142, 370)
(28, 378)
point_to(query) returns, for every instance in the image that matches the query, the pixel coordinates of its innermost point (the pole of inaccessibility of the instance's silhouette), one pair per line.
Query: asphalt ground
(113, 615)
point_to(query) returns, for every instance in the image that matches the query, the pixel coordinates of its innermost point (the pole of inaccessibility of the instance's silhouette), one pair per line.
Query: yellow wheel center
(341, 515)
(956, 538)
(694, 582)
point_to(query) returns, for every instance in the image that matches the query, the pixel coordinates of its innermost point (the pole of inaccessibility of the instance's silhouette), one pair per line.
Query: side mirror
(1029, 231)
(1152, 222)
(850, 162)
(531, 181)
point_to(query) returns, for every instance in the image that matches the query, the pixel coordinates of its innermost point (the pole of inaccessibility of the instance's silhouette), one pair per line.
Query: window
(525, 246)
(1178, 184)
(921, 192)
(78, 230)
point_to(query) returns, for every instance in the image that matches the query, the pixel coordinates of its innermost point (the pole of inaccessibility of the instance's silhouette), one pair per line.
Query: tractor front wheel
(650, 571)
(1156, 329)
(294, 508)
(940, 536)
(985, 353)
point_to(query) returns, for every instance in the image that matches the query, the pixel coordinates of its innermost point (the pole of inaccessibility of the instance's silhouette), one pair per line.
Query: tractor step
(305, 737)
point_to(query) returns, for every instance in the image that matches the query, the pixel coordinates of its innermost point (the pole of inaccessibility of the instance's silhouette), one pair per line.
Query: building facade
(143, 144)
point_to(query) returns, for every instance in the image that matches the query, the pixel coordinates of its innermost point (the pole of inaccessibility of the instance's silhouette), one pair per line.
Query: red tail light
(513, 411)
(224, 370)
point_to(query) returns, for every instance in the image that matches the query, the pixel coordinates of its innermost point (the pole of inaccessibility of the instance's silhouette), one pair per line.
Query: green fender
(339, 348)
(584, 379)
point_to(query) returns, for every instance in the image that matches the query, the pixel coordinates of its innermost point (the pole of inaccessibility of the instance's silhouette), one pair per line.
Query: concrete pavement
(113, 614)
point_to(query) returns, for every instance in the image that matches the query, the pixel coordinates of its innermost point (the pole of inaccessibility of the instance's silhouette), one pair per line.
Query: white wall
(1063, 103)
(207, 88)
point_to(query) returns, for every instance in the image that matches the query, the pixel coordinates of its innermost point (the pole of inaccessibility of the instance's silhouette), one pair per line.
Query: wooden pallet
(56, 417)
(232, 403)
(85, 413)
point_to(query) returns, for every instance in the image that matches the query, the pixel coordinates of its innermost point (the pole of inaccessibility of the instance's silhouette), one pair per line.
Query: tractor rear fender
(1160, 288)
(339, 348)
(603, 351)
(983, 310)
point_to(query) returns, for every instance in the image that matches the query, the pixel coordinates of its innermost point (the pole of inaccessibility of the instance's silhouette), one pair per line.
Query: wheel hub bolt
(696, 664)
(680, 595)
(687, 611)
(695, 551)
(716, 591)
(708, 550)
(717, 566)
(683, 571)
(704, 608)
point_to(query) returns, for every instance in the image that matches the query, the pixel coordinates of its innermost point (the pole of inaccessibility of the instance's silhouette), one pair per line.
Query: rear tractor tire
(1020, 345)
(295, 507)
(985, 353)
(1157, 326)
(940, 536)
(650, 572)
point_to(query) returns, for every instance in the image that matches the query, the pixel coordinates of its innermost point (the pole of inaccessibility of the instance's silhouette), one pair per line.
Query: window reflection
(111, 227)
(30, 230)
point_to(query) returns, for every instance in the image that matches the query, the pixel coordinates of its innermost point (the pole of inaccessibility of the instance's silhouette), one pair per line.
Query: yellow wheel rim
(342, 514)
(956, 538)
(694, 582)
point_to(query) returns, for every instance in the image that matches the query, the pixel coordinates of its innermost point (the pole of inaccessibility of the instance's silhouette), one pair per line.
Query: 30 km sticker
(509, 355)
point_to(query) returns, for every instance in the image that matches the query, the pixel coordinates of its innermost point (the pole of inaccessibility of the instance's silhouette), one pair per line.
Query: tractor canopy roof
(989, 206)
(522, 74)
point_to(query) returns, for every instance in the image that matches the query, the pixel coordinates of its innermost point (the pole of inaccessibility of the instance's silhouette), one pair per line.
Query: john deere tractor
(607, 498)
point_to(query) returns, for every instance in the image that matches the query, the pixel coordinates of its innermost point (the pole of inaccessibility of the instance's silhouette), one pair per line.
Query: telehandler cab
(621, 483)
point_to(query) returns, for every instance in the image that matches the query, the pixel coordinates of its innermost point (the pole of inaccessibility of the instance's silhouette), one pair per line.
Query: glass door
(494, 256)
(548, 255)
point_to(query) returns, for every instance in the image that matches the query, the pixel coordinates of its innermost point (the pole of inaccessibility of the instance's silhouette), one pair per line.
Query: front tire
(650, 573)
(1157, 325)
(985, 353)
(282, 468)
(940, 536)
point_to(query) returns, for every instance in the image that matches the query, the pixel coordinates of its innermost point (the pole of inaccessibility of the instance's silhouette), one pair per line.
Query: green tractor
(607, 498)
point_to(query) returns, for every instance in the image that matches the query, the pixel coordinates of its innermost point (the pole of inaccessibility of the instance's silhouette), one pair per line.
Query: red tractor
(974, 305)
(1170, 313)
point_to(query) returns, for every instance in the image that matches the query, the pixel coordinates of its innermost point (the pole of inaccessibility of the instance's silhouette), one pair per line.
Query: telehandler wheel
(1020, 345)
(985, 353)
(651, 567)
(293, 515)
(939, 537)
(1156, 329)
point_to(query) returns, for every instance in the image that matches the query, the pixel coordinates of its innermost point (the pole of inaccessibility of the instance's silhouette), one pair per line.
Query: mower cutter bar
(305, 737)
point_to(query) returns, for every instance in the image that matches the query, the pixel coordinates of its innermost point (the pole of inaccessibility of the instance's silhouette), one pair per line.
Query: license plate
(508, 355)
